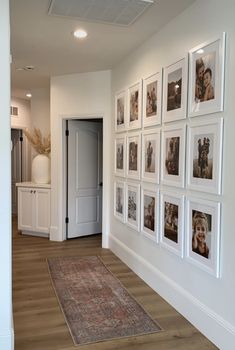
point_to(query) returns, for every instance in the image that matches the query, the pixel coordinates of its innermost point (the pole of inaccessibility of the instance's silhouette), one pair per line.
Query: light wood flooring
(39, 323)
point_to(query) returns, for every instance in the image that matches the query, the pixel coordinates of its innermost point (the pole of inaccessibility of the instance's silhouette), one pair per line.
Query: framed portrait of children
(133, 155)
(175, 91)
(120, 111)
(119, 200)
(206, 77)
(205, 155)
(172, 222)
(173, 155)
(134, 106)
(152, 92)
(151, 155)
(203, 234)
(133, 205)
(150, 212)
(120, 155)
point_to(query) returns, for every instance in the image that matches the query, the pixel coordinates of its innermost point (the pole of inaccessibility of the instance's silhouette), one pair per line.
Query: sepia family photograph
(119, 200)
(134, 105)
(172, 222)
(174, 90)
(150, 149)
(149, 212)
(171, 215)
(205, 77)
(203, 156)
(172, 155)
(133, 156)
(133, 206)
(201, 233)
(119, 156)
(120, 110)
(203, 240)
(151, 99)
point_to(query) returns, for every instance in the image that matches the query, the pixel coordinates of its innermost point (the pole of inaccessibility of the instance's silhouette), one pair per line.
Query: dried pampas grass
(41, 144)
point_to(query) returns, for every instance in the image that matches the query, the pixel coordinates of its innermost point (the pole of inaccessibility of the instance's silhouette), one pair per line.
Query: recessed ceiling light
(80, 33)
(29, 95)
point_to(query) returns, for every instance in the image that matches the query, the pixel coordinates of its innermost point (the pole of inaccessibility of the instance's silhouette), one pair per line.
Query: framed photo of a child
(203, 238)
(206, 77)
(134, 105)
(175, 91)
(133, 155)
(120, 155)
(133, 205)
(205, 155)
(151, 155)
(172, 222)
(119, 200)
(120, 111)
(152, 91)
(149, 212)
(173, 155)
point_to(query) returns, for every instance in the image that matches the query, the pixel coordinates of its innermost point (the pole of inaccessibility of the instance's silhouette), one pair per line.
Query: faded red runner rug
(95, 304)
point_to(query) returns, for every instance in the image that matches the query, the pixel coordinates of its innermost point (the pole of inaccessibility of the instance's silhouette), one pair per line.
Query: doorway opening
(84, 173)
(16, 165)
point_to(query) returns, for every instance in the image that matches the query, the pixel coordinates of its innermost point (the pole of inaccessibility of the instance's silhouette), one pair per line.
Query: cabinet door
(25, 209)
(42, 210)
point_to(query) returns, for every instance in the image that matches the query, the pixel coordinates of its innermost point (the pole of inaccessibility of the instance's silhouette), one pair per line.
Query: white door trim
(58, 179)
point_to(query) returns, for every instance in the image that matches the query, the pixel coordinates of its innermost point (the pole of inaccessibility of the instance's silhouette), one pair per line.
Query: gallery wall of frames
(168, 154)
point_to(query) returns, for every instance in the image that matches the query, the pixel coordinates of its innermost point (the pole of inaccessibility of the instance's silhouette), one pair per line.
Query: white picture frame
(173, 155)
(203, 234)
(133, 155)
(120, 200)
(172, 222)
(204, 168)
(133, 205)
(134, 105)
(152, 96)
(150, 212)
(206, 77)
(151, 152)
(120, 155)
(175, 81)
(120, 110)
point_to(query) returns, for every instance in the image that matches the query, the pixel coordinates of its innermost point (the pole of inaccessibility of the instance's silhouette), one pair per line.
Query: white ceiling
(46, 42)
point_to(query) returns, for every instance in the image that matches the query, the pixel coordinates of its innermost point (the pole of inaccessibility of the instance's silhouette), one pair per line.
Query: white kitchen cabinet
(34, 209)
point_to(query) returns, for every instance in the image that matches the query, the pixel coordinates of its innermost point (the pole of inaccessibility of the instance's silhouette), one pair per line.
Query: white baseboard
(54, 234)
(213, 326)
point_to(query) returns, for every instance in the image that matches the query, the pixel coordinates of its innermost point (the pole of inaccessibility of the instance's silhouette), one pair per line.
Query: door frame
(64, 185)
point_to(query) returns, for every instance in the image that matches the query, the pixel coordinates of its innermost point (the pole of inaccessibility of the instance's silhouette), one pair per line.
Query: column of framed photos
(168, 155)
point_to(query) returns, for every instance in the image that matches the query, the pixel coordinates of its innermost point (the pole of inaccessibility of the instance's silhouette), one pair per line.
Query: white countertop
(32, 184)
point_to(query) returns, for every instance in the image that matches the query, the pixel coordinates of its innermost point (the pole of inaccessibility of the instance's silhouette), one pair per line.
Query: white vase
(41, 169)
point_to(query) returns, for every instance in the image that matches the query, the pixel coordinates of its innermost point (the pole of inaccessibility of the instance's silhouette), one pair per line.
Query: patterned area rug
(95, 304)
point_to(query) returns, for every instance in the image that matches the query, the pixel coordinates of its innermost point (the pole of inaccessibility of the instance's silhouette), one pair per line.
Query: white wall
(78, 96)
(40, 110)
(6, 326)
(206, 301)
(23, 120)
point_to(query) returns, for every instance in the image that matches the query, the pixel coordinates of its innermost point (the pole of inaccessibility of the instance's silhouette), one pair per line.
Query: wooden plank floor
(39, 323)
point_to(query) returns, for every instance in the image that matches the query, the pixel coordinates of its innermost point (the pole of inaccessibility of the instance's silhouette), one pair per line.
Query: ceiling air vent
(116, 12)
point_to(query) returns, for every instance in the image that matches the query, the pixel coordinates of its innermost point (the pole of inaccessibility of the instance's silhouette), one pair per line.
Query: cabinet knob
(31, 191)
(34, 191)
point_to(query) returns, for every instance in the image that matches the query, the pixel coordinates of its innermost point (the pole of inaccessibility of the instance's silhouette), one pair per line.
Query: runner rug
(95, 304)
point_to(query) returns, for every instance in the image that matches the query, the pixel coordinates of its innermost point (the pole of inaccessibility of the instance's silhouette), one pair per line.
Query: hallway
(39, 323)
